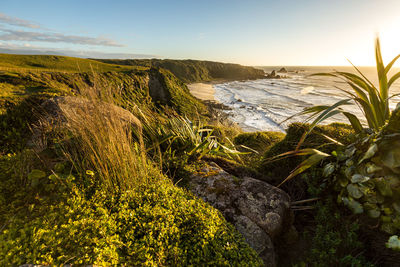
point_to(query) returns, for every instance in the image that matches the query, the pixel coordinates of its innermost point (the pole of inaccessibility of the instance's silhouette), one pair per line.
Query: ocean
(265, 104)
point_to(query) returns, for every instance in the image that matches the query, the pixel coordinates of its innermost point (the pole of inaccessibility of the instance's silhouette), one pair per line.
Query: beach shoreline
(202, 90)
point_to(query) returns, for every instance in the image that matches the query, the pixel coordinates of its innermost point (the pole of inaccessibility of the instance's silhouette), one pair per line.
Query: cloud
(28, 49)
(45, 35)
(17, 22)
(18, 35)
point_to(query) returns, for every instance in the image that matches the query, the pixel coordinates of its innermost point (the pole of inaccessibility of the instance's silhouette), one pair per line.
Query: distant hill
(191, 71)
(161, 81)
(23, 76)
(56, 63)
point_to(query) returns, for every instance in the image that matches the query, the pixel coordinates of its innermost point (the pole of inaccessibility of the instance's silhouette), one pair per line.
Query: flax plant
(372, 100)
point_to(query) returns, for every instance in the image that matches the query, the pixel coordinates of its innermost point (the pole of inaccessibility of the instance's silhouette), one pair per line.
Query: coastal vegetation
(360, 173)
(190, 71)
(90, 189)
(95, 160)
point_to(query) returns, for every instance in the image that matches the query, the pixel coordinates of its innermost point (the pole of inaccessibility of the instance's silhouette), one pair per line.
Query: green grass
(190, 71)
(93, 196)
(12, 62)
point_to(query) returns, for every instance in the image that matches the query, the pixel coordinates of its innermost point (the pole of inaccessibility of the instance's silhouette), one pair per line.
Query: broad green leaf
(369, 114)
(354, 79)
(306, 164)
(375, 213)
(328, 169)
(329, 112)
(350, 150)
(324, 74)
(383, 84)
(365, 78)
(355, 123)
(393, 79)
(370, 152)
(358, 178)
(354, 191)
(300, 152)
(393, 243)
(372, 210)
(349, 162)
(354, 205)
(390, 155)
(358, 91)
(389, 66)
(383, 187)
(349, 171)
(371, 168)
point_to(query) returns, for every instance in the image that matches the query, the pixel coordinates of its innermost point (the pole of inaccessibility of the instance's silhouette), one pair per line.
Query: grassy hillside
(55, 63)
(23, 75)
(195, 70)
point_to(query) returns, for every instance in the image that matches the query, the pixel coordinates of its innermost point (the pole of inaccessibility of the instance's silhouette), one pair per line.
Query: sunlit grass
(40, 63)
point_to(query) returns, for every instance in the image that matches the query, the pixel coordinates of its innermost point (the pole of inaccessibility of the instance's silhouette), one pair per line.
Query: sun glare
(390, 40)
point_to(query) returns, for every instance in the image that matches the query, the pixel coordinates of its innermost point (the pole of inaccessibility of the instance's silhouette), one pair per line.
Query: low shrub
(258, 141)
(255, 144)
(52, 221)
(92, 196)
(329, 235)
(334, 239)
(15, 122)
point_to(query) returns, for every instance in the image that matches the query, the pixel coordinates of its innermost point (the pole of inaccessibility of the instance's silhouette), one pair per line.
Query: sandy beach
(203, 91)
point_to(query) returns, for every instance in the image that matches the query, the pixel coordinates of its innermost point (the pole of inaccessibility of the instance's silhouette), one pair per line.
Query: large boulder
(259, 211)
(55, 107)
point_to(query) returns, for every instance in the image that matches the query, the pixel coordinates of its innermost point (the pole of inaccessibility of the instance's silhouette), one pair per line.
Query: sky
(251, 32)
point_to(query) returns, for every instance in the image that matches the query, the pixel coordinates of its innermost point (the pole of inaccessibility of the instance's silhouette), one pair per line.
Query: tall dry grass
(101, 141)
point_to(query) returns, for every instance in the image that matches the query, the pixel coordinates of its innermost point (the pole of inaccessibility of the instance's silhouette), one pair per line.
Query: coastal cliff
(24, 76)
(191, 71)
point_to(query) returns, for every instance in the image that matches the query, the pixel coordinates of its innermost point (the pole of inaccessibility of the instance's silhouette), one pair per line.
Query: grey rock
(259, 211)
(257, 239)
(53, 108)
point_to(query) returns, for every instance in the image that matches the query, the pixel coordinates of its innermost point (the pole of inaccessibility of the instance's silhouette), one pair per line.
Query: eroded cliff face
(151, 87)
(157, 88)
(190, 71)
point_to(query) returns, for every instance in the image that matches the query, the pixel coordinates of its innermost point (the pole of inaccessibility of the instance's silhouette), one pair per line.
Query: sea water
(269, 104)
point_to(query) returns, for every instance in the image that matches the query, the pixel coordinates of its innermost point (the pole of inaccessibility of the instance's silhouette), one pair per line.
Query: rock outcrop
(273, 75)
(259, 211)
(282, 70)
(54, 108)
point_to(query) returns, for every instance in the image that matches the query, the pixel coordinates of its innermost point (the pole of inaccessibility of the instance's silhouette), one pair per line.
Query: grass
(39, 63)
(93, 196)
(104, 146)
